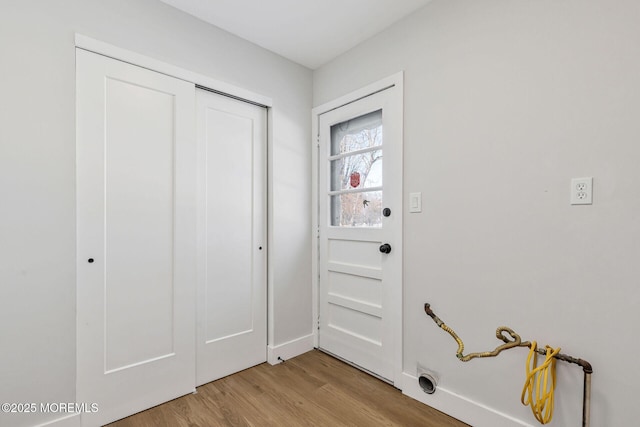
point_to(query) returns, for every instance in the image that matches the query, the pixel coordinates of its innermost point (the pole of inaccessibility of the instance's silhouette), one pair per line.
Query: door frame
(115, 52)
(396, 81)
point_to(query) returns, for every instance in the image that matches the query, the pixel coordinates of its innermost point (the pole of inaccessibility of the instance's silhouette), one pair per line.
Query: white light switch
(582, 191)
(415, 202)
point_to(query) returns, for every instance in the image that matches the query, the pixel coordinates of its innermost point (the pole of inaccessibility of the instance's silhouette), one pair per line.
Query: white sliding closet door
(232, 281)
(136, 237)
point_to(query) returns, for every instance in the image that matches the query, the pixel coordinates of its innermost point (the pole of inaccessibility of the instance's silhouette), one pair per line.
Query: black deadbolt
(385, 248)
(386, 212)
(90, 260)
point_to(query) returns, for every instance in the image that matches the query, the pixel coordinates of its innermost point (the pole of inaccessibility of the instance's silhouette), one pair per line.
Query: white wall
(505, 102)
(37, 176)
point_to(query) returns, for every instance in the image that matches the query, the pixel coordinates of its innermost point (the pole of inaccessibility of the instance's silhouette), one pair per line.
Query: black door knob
(385, 248)
(386, 212)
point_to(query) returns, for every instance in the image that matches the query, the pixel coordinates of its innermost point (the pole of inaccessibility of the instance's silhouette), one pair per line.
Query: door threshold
(360, 368)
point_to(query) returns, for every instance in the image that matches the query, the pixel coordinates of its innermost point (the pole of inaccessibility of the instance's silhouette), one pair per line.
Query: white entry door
(360, 232)
(136, 237)
(232, 251)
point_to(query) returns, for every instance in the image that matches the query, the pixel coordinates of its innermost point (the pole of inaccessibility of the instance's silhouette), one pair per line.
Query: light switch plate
(582, 191)
(415, 202)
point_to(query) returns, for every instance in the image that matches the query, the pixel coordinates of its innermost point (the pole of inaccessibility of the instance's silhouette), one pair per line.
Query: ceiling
(309, 32)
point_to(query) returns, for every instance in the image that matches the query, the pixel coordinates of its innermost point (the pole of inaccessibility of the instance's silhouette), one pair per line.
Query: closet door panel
(232, 316)
(136, 237)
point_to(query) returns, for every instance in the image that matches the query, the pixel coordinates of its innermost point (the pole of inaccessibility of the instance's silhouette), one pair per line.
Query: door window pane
(357, 134)
(357, 209)
(362, 170)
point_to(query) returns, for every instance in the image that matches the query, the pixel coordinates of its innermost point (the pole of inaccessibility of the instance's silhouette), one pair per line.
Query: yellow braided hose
(455, 337)
(517, 341)
(538, 390)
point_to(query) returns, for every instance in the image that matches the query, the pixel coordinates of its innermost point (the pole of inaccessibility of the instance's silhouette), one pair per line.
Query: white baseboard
(460, 407)
(72, 420)
(289, 349)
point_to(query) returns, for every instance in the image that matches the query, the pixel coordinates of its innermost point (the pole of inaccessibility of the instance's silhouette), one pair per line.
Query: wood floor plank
(313, 389)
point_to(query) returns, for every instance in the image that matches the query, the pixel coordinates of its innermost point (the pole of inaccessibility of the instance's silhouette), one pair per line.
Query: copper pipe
(586, 400)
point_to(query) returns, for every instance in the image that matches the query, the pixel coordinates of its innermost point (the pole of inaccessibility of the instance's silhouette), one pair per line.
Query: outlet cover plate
(582, 191)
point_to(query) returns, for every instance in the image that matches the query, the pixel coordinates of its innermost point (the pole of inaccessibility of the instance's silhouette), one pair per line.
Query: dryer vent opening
(427, 383)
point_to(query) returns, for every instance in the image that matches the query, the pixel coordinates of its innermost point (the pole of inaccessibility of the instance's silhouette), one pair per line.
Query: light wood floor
(313, 389)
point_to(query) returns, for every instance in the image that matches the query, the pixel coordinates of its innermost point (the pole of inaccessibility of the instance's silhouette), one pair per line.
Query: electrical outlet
(582, 191)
